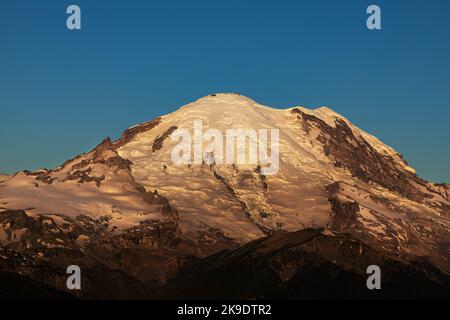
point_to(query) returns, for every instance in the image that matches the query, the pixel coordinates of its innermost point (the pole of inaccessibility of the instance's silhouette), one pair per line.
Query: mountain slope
(125, 206)
(303, 265)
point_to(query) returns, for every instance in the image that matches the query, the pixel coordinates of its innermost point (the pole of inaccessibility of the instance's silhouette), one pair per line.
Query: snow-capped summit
(227, 97)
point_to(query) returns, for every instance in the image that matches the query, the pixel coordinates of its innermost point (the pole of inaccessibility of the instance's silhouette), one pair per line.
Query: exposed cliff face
(352, 152)
(125, 210)
(442, 189)
(132, 132)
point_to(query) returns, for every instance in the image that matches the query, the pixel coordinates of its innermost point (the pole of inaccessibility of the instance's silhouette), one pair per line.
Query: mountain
(135, 221)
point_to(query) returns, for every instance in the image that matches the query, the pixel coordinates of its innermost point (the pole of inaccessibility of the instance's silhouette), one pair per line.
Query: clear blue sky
(62, 92)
